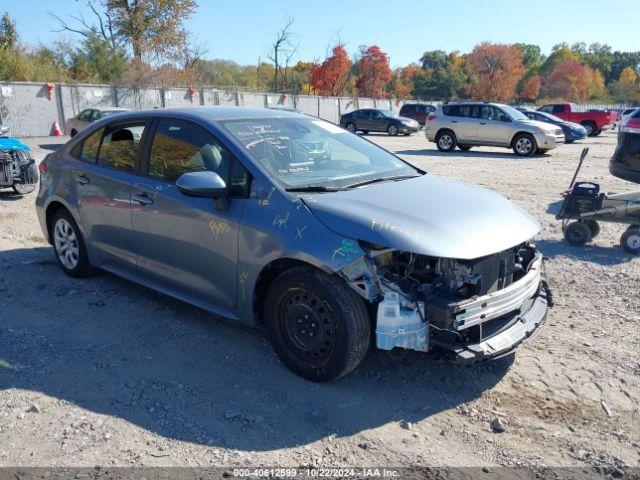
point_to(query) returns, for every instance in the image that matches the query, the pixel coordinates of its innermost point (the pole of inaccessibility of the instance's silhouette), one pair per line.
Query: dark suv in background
(417, 111)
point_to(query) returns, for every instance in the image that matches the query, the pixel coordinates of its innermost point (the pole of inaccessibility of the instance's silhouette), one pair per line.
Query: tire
(577, 233)
(74, 132)
(351, 127)
(365, 132)
(598, 132)
(630, 240)
(446, 141)
(591, 128)
(23, 188)
(569, 141)
(332, 338)
(594, 227)
(524, 145)
(464, 148)
(392, 130)
(65, 231)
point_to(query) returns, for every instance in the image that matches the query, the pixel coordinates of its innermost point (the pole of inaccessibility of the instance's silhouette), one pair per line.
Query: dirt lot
(103, 372)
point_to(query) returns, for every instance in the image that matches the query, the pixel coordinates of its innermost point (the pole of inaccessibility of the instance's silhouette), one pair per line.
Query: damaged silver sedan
(292, 223)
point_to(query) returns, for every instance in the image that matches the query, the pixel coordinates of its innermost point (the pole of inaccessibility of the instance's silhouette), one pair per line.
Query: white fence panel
(252, 100)
(29, 109)
(308, 105)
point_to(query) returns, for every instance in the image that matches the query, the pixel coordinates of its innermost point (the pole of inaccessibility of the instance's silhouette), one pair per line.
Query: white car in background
(87, 116)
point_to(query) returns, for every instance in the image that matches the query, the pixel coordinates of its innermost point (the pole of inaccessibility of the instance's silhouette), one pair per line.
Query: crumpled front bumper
(525, 326)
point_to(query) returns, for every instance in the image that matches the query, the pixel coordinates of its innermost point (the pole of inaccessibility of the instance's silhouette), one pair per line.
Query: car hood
(7, 143)
(547, 127)
(427, 215)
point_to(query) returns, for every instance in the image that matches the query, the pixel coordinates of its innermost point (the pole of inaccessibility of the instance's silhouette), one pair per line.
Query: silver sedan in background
(87, 116)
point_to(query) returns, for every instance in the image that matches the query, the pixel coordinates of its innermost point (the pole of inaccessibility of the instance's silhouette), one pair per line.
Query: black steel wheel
(318, 326)
(577, 233)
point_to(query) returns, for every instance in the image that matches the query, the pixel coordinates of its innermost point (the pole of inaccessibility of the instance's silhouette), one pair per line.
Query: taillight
(431, 117)
(632, 125)
(42, 167)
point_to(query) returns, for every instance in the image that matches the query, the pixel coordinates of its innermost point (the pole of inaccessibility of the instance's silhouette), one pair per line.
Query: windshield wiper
(312, 188)
(380, 179)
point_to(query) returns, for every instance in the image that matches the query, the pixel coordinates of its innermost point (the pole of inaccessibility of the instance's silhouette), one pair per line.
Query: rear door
(491, 129)
(102, 181)
(464, 121)
(187, 244)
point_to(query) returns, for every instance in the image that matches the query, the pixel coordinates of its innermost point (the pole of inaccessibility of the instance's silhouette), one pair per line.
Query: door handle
(483, 123)
(142, 198)
(82, 179)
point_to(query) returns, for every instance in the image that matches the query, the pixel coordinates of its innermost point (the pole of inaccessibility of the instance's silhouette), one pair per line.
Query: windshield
(514, 113)
(314, 153)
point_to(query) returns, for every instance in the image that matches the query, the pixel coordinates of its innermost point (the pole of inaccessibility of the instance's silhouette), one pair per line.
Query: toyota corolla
(235, 211)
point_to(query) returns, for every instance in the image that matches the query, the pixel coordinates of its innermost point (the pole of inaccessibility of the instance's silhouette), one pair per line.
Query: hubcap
(445, 142)
(308, 325)
(633, 241)
(66, 244)
(589, 128)
(524, 145)
(393, 130)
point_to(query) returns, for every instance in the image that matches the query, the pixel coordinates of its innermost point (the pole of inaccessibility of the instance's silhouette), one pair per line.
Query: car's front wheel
(392, 130)
(524, 145)
(318, 326)
(446, 141)
(68, 245)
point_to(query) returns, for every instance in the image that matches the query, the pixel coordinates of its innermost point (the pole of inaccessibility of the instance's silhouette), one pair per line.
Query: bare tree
(84, 27)
(284, 47)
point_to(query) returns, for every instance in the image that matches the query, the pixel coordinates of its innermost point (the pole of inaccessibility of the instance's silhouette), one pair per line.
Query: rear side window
(120, 146)
(87, 150)
(460, 110)
(180, 147)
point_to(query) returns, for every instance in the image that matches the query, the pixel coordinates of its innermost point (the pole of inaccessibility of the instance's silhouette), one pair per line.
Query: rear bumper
(525, 327)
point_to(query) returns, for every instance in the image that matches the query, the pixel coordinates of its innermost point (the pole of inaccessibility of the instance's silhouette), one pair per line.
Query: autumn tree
(496, 70)
(330, 77)
(402, 81)
(567, 81)
(531, 88)
(373, 72)
(626, 89)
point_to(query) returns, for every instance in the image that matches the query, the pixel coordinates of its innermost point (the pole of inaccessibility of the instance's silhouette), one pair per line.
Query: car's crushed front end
(477, 309)
(17, 167)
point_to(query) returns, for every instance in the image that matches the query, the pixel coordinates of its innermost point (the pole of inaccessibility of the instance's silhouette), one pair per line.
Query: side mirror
(204, 184)
(504, 118)
(4, 129)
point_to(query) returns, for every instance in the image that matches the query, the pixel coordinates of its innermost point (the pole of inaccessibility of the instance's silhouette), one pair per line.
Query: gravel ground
(103, 372)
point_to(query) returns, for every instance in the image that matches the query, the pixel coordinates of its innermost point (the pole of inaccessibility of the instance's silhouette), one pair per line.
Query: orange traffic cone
(56, 130)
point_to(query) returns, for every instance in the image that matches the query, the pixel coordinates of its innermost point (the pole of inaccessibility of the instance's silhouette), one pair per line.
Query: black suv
(417, 111)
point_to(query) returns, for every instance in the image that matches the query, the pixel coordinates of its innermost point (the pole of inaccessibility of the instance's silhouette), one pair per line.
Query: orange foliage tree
(571, 80)
(373, 72)
(496, 70)
(402, 81)
(531, 88)
(329, 78)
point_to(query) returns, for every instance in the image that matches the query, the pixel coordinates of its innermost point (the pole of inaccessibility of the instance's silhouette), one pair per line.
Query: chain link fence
(32, 109)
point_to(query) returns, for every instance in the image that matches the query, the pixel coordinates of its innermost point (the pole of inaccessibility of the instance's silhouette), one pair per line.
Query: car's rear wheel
(591, 128)
(68, 245)
(524, 145)
(392, 130)
(318, 326)
(446, 141)
(351, 127)
(630, 240)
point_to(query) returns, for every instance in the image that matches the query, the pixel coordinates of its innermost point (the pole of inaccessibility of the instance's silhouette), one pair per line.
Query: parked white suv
(468, 124)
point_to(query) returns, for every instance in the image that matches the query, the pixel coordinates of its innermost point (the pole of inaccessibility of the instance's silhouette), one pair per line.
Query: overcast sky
(241, 30)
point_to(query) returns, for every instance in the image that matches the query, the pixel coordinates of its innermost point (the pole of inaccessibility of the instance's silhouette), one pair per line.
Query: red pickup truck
(593, 121)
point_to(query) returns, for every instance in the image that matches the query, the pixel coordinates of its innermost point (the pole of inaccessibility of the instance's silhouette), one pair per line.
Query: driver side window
(179, 147)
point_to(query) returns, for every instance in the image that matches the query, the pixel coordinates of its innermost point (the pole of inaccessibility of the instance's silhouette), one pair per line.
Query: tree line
(146, 43)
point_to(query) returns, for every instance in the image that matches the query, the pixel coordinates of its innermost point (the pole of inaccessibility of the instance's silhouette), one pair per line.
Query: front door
(492, 127)
(103, 174)
(187, 244)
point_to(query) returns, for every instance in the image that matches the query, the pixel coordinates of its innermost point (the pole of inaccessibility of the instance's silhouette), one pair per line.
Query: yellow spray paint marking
(219, 227)
(243, 285)
(265, 201)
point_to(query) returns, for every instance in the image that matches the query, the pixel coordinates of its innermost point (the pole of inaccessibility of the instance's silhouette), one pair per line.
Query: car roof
(212, 114)
(110, 109)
